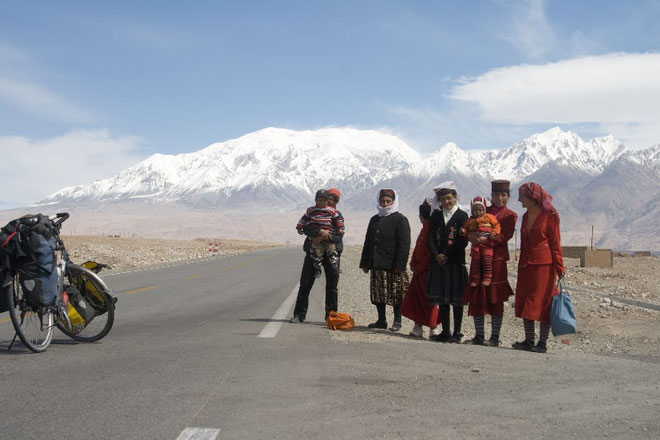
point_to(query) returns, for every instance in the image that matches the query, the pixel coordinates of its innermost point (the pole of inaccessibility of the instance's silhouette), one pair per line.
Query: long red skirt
(488, 300)
(416, 305)
(537, 284)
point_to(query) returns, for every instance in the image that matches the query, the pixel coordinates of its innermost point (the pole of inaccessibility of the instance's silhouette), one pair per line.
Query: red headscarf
(538, 194)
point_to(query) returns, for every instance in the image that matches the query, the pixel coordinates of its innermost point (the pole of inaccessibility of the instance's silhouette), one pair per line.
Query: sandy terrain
(127, 253)
(604, 325)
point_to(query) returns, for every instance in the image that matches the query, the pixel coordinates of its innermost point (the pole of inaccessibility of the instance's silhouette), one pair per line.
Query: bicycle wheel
(97, 295)
(33, 327)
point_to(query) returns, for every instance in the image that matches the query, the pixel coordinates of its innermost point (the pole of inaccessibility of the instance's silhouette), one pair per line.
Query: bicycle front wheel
(97, 295)
(33, 327)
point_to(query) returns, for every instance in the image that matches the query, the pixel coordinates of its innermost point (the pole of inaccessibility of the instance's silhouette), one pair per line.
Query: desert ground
(605, 324)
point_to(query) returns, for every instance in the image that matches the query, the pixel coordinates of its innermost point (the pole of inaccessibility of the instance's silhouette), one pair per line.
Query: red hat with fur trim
(478, 201)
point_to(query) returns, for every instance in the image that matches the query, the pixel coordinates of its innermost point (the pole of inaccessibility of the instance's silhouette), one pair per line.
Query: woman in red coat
(416, 305)
(539, 266)
(489, 300)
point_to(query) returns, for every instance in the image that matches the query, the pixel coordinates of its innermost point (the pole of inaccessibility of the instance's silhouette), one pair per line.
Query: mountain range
(596, 182)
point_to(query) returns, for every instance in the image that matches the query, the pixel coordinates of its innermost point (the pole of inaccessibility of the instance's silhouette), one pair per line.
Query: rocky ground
(605, 324)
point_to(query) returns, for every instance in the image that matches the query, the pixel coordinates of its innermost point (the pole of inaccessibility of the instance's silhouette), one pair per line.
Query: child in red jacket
(481, 266)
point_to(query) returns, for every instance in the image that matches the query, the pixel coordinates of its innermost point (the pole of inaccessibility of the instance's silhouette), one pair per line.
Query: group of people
(440, 286)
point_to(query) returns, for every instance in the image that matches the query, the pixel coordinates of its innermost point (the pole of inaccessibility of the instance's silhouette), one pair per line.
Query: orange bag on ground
(339, 321)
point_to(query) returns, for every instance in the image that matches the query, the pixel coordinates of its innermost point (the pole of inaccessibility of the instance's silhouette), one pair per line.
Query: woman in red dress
(489, 300)
(539, 266)
(416, 305)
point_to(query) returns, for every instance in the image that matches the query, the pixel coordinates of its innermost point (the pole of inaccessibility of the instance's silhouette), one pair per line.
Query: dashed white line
(198, 434)
(271, 329)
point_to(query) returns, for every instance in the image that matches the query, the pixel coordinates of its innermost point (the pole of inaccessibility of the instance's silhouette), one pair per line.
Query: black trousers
(307, 281)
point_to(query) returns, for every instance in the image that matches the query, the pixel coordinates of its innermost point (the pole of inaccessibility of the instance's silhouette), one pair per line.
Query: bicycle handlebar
(59, 218)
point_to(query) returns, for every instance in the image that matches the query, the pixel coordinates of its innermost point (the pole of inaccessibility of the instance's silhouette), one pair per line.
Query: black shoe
(540, 347)
(494, 342)
(456, 338)
(395, 327)
(442, 337)
(523, 345)
(378, 324)
(296, 318)
(477, 340)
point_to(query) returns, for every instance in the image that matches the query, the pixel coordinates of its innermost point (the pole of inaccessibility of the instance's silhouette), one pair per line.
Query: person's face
(526, 201)
(478, 211)
(447, 201)
(500, 199)
(386, 201)
(322, 202)
(333, 200)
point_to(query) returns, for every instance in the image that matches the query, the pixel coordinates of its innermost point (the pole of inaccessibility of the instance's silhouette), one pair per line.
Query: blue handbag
(562, 316)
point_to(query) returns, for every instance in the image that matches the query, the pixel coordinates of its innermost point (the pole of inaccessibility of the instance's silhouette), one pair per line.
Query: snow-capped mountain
(598, 180)
(270, 161)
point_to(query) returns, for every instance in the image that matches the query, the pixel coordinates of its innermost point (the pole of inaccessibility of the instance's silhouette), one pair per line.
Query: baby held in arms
(486, 226)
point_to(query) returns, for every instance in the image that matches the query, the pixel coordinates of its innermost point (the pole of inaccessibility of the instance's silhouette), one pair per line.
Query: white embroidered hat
(449, 184)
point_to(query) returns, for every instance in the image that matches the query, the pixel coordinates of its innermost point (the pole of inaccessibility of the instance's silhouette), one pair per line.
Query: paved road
(185, 354)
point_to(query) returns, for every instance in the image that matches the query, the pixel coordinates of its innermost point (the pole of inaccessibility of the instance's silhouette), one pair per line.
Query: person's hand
(473, 237)
(340, 232)
(316, 240)
(483, 239)
(561, 276)
(441, 259)
(300, 232)
(365, 270)
(325, 235)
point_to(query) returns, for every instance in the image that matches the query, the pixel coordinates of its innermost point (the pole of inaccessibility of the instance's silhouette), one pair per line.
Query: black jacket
(387, 243)
(445, 239)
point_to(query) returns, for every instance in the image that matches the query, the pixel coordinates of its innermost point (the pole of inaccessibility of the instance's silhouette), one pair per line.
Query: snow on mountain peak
(297, 163)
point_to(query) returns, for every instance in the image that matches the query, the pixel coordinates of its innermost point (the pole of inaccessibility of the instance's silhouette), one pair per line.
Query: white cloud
(33, 169)
(616, 90)
(40, 101)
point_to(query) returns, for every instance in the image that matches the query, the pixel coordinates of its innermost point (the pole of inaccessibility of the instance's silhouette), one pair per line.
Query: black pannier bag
(4, 300)
(39, 277)
(81, 306)
(30, 249)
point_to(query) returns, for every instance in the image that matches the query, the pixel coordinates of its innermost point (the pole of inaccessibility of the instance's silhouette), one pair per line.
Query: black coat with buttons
(387, 243)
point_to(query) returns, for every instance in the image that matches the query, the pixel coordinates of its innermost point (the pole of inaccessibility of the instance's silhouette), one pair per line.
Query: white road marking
(198, 434)
(271, 329)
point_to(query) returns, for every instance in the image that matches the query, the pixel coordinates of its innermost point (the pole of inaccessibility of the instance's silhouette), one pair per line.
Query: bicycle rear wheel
(33, 327)
(98, 296)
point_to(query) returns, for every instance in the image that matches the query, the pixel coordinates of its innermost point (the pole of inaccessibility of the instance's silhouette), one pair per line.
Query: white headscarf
(394, 207)
(435, 203)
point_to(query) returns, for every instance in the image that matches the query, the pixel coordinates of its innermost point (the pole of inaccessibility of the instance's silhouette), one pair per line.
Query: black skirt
(446, 283)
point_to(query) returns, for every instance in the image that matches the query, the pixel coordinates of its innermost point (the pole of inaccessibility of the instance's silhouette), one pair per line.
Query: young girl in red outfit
(489, 300)
(416, 305)
(540, 264)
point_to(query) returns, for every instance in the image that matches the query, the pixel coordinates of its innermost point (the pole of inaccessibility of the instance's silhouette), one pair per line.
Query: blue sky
(91, 88)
